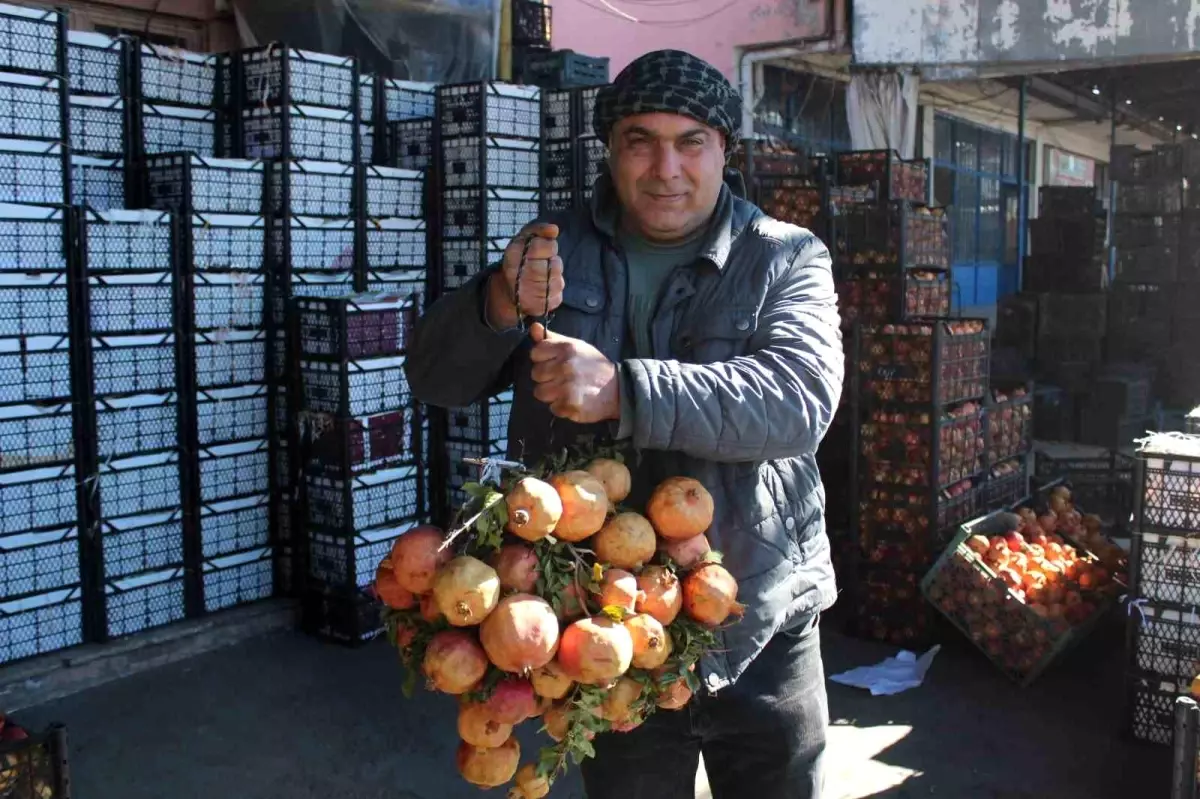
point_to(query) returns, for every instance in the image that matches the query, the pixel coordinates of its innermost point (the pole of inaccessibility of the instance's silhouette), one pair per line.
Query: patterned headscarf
(673, 82)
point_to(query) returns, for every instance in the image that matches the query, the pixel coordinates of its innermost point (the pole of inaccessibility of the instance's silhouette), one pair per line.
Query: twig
(467, 525)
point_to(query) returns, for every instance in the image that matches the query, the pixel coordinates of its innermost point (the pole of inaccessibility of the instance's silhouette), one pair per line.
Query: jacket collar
(721, 232)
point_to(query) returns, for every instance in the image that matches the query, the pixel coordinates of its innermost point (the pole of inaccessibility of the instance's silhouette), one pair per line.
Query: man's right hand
(541, 278)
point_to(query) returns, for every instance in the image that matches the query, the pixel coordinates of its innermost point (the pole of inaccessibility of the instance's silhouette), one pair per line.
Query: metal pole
(1111, 252)
(1022, 199)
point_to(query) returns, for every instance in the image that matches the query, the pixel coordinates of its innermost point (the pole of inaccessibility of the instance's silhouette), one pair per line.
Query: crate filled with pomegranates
(1010, 421)
(898, 179)
(797, 200)
(893, 235)
(927, 448)
(903, 526)
(924, 362)
(1007, 482)
(1020, 590)
(885, 604)
(876, 297)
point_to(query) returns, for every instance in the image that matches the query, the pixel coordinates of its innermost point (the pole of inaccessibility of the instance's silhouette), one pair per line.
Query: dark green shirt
(650, 265)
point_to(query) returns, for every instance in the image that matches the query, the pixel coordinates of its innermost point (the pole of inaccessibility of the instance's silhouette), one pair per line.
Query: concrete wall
(199, 23)
(712, 30)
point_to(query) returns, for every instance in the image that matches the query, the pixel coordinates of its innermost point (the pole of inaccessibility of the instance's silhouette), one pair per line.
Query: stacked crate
(572, 156)
(489, 137)
(406, 114)
(221, 242)
(360, 449)
(100, 106)
(178, 104)
(1164, 631)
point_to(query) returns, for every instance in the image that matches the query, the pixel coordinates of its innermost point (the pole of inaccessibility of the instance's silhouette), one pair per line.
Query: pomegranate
(595, 650)
(551, 682)
(979, 544)
(619, 589)
(521, 634)
(529, 785)
(651, 644)
(675, 696)
(512, 701)
(390, 592)
(416, 558)
(688, 553)
(477, 727)
(629, 725)
(710, 595)
(661, 595)
(617, 705)
(466, 590)
(585, 505)
(429, 609)
(406, 631)
(614, 476)
(570, 603)
(680, 508)
(555, 721)
(454, 661)
(489, 768)
(627, 541)
(517, 567)
(534, 509)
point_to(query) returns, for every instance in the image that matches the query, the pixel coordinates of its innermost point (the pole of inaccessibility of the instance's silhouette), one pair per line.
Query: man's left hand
(573, 378)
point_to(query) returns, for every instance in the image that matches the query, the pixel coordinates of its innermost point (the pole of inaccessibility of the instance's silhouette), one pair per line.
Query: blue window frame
(803, 109)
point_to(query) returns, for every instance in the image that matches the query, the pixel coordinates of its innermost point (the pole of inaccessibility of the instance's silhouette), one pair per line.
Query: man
(704, 335)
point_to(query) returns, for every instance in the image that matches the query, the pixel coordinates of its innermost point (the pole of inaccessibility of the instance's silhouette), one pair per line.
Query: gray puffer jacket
(745, 379)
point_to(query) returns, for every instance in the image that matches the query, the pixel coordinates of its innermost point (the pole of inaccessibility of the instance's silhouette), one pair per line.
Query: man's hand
(574, 378)
(541, 278)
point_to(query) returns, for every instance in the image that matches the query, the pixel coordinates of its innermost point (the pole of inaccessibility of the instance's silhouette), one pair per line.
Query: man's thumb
(538, 332)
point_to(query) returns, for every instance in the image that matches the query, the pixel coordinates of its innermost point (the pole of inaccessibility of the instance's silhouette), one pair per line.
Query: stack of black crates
(572, 156)
(536, 64)
(101, 103)
(1163, 627)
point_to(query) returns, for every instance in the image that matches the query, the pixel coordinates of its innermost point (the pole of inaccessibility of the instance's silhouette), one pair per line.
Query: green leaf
(410, 684)
(712, 557)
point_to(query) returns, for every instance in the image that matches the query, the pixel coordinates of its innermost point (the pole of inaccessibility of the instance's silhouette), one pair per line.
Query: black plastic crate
(391, 192)
(223, 300)
(557, 201)
(1104, 484)
(352, 620)
(462, 259)
(907, 527)
(233, 242)
(531, 23)
(560, 115)
(34, 304)
(1150, 707)
(1068, 201)
(139, 484)
(365, 500)
(406, 99)
(133, 363)
(135, 545)
(395, 244)
(898, 179)
(37, 625)
(236, 413)
(33, 39)
(309, 243)
(562, 69)
(1145, 231)
(127, 241)
(358, 326)
(593, 159)
(492, 162)
(32, 238)
(405, 282)
(1154, 198)
(35, 368)
(32, 106)
(230, 357)
(459, 473)
(354, 388)
(32, 172)
(99, 64)
(412, 144)
(307, 284)
(1165, 569)
(140, 602)
(1151, 265)
(487, 214)
(238, 579)
(187, 183)
(1165, 642)
(879, 297)
(489, 108)
(232, 470)
(35, 434)
(178, 77)
(587, 109)
(483, 421)
(897, 236)
(311, 188)
(300, 131)
(278, 74)
(348, 563)
(917, 447)
(126, 425)
(40, 498)
(166, 128)
(924, 363)
(1009, 421)
(341, 447)
(98, 183)
(1168, 480)
(1007, 484)
(235, 525)
(137, 303)
(557, 166)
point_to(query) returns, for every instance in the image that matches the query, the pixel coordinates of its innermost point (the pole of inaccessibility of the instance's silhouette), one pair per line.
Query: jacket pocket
(581, 311)
(717, 336)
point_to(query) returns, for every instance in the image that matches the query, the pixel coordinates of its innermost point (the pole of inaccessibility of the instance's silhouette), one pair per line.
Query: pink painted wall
(710, 29)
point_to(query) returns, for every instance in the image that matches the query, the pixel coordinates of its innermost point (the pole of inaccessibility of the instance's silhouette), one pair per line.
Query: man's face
(668, 170)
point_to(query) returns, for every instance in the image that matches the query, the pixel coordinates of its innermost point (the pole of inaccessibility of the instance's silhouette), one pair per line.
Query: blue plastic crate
(238, 579)
(127, 425)
(97, 63)
(134, 363)
(35, 368)
(125, 241)
(367, 500)
(35, 625)
(236, 242)
(228, 299)
(172, 75)
(33, 238)
(234, 470)
(313, 188)
(396, 243)
(235, 525)
(99, 126)
(31, 107)
(237, 413)
(144, 601)
(176, 128)
(392, 192)
(31, 39)
(143, 543)
(186, 181)
(34, 304)
(492, 162)
(31, 172)
(298, 131)
(138, 303)
(33, 435)
(139, 484)
(37, 562)
(97, 182)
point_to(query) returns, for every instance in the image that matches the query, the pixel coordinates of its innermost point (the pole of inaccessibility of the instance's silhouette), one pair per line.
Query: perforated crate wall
(462, 259)
(238, 579)
(487, 213)
(314, 188)
(173, 75)
(32, 39)
(592, 160)
(404, 99)
(32, 435)
(230, 357)
(558, 115)
(31, 172)
(354, 388)
(349, 563)
(137, 423)
(144, 601)
(482, 422)
(489, 108)
(366, 500)
(366, 98)
(139, 484)
(315, 243)
(553, 201)
(405, 282)
(396, 244)
(311, 78)
(366, 143)
(392, 192)
(238, 413)
(35, 625)
(138, 363)
(235, 525)
(338, 446)
(33, 304)
(236, 242)
(143, 543)
(122, 240)
(31, 107)
(557, 166)
(99, 126)
(139, 303)
(348, 620)
(1166, 642)
(361, 325)
(172, 128)
(32, 238)
(228, 299)
(322, 134)
(98, 182)
(96, 63)
(474, 162)
(309, 284)
(34, 368)
(36, 562)
(411, 144)
(179, 181)
(1151, 709)
(1170, 493)
(233, 470)
(587, 109)
(459, 473)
